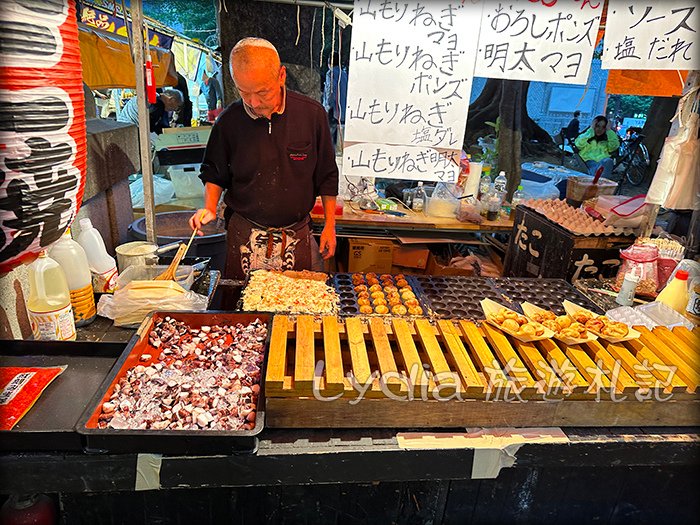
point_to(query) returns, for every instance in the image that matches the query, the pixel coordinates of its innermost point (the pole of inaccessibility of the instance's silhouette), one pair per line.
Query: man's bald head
(255, 54)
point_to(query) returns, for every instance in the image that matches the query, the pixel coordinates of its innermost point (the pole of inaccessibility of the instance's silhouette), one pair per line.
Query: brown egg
(381, 309)
(375, 288)
(363, 301)
(399, 309)
(365, 309)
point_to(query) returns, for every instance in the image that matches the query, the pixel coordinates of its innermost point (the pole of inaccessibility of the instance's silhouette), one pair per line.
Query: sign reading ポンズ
(410, 79)
(654, 35)
(545, 40)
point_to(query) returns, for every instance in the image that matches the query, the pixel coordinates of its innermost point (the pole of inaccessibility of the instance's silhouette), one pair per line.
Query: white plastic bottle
(102, 265)
(419, 198)
(500, 183)
(48, 304)
(484, 185)
(71, 256)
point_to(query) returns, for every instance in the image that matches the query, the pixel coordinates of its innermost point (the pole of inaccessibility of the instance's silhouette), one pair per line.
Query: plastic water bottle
(484, 185)
(74, 262)
(501, 182)
(48, 304)
(419, 198)
(102, 265)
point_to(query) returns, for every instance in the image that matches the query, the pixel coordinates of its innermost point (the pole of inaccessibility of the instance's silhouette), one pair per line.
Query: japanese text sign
(658, 35)
(410, 80)
(546, 40)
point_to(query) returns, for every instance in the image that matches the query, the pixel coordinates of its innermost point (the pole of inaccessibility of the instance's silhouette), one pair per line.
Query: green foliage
(629, 105)
(195, 19)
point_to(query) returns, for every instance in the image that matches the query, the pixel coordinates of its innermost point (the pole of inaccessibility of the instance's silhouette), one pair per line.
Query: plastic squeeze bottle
(102, 265)
(675, 294)
(48, 305)
(73, 260)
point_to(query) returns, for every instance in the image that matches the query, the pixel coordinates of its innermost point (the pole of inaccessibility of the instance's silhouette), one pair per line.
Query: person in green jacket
(596, 144)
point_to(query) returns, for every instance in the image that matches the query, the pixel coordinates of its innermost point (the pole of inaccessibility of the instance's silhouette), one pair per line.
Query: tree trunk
(657, 126)
(510, 132)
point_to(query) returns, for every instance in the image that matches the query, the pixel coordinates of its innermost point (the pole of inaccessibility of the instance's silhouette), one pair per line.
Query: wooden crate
(411, 373)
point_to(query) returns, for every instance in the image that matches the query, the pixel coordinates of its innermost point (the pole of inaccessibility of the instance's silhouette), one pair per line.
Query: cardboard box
(406, 270)
(437, 267)
(411, 255)
(369, 255)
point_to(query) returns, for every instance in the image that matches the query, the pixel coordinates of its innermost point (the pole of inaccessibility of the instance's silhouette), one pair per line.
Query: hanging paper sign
(410, 79)
(42, 127)
(657, 35)
(545, 40)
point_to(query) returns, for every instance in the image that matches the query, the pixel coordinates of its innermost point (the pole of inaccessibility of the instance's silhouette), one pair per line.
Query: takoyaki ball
(377, 295)
(361, 295)
(394, 301)
(361, 288)
(386, 284)
(375, 288)
(399, 276)
(371, 275)
(415, 310)
(407, 295)
(363, 301)
(385, 277)
(372, 281)
(399, 309)
(394, 297)
(381, 309)
(378, 301)
(401, 283)
(411, 303)
(390, 289)
(405, 289)
(366, 309)
(358, 280)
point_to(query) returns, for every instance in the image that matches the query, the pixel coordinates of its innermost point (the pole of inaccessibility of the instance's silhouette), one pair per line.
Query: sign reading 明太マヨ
(411, 70)
(545, 40)
(654, 35)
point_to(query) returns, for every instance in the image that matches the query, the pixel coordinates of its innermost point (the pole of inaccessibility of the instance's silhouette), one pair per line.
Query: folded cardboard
(369, 255)
(411, 255)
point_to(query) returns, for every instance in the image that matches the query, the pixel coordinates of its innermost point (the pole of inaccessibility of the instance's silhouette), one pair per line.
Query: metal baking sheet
(171, 441)
(545, 293)
(50, 423)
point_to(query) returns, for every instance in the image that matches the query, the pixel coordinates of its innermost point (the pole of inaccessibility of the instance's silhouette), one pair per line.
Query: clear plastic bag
(128, 306)
(642, 261)
(163, 191)
(469, 211)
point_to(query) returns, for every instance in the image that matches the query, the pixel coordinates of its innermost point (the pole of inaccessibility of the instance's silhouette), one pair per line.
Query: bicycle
(633, 157)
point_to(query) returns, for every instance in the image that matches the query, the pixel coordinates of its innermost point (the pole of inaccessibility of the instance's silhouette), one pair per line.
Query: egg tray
(348, 307)
(545, 293)
(457, 297)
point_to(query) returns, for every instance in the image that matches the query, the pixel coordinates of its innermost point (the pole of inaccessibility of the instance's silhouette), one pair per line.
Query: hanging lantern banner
(411, 69)
(42, 127)
(657, 35)
(544, 40)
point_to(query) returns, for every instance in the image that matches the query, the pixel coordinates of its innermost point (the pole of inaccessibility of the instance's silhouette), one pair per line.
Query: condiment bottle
(48, 304)
(102, 265)
(626, 295)
(692, 310)
(675, 294)
(419, 198)
(73, 260)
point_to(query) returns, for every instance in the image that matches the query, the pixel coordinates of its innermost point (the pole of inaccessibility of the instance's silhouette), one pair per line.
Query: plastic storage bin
(185, 178)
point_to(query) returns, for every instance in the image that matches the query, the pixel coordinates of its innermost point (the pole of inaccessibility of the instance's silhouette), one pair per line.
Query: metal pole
(144, 121)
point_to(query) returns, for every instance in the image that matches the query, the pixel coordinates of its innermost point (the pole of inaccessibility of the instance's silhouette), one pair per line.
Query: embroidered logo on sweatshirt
(298, 156)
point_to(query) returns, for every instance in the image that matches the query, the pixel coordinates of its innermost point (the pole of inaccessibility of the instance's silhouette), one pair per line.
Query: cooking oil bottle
(73, 260)
(49, 307)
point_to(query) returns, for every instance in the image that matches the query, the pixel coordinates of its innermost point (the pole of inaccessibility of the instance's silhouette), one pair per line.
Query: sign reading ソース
(42, 127)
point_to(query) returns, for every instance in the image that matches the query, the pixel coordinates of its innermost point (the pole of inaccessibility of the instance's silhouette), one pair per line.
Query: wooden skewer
(170, 271)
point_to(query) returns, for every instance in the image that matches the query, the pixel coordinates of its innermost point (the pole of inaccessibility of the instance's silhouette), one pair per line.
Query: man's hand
(202, 216)
(327, 244)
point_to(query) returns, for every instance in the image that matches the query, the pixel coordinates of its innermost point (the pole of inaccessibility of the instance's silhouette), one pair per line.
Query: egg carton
(545, 293)
(458, 297)
(631, 317)
(348, 306)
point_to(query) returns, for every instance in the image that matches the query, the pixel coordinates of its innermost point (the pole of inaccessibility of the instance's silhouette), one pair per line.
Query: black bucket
(175, 226)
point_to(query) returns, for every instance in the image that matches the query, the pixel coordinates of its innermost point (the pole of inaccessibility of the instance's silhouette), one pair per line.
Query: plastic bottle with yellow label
(48, 305)
(72, 258)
